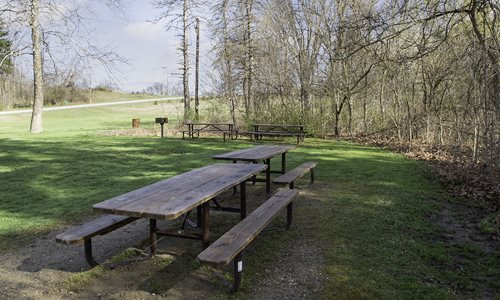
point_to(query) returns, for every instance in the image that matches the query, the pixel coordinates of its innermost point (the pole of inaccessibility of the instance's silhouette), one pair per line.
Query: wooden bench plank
(93, 228)
(295, 173)
(227, 247)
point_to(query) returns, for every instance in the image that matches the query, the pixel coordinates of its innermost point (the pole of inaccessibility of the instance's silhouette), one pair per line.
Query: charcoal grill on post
(161, 121)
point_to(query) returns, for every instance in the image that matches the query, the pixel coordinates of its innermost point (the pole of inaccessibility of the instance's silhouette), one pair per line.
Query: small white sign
(240, 266)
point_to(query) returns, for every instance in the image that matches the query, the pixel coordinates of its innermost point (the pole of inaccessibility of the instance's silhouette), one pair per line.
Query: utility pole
(197, 75)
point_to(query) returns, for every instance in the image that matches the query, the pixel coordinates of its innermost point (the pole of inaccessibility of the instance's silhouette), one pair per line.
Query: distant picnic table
(194, 129)
(260, 153)
(260, 130)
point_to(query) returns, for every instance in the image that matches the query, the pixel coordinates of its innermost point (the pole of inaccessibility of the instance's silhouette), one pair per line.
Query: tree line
(414, 71)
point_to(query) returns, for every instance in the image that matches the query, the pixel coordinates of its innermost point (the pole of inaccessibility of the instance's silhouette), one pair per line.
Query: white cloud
(145, 31)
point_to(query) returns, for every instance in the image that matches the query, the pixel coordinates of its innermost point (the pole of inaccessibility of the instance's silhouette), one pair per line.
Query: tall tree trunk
(36, 117)
(247, 81)
(185, 73)
(196, 86)
(228, 72)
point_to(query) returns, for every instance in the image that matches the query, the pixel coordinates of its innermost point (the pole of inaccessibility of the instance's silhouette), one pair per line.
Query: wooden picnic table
(176, 196)
(260, 130)
(257, 154)
(197, 127)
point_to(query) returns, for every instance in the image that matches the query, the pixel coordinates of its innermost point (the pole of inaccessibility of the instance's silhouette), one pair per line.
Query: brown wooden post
(136, 123)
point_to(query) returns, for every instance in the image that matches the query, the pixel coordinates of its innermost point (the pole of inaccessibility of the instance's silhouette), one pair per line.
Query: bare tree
(57, 31)
(179, 14)
(197, 75)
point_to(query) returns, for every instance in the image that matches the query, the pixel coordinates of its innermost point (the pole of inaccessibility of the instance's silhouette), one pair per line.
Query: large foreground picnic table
(171, 198)
(257, 154)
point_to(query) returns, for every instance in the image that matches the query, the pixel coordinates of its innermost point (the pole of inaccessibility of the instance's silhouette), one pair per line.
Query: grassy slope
(101, 96)
(373, 216)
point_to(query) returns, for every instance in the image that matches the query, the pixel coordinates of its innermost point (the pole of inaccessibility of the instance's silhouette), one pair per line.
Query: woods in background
(419, 72)
(423, 73)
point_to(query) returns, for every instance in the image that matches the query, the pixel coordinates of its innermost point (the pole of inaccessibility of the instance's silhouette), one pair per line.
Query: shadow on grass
(368, 209)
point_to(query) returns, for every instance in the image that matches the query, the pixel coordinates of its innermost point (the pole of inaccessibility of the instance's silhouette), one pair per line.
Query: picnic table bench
(297, 172)
(196, 128)
(230, 246)
(85, 232)
(260, 130)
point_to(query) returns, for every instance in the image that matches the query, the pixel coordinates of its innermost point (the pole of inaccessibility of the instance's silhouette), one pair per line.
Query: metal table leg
(152, 235)
(268, 175)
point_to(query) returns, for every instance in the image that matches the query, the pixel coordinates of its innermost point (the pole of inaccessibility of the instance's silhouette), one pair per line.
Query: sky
(150, 50)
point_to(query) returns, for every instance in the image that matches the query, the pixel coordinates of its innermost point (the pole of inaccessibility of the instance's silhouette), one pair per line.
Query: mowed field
(370, 218)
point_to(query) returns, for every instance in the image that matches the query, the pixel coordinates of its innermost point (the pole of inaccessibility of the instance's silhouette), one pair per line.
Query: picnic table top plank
(222, 251)
(112, 203)
(255, 153)
(170, 198)
(176, 186)
(194, 197)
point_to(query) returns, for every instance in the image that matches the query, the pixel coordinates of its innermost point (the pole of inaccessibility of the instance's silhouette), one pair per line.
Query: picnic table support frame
(237, 272)
(289, 214)
(268, 175)
(243, 200)
(283, 163)
(152, 236)
(88, 253)
(205, 225)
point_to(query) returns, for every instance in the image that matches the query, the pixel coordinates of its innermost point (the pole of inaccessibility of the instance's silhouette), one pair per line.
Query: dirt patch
(461, 235)
(47, 270)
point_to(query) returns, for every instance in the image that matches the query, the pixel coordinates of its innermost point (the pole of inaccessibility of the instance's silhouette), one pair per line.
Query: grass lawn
(373, 215)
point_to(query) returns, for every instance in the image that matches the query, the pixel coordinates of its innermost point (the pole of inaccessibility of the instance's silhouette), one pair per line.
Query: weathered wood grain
(256, 153)
(225, 249)
(295, 173)
(93, 228)
(168, 199)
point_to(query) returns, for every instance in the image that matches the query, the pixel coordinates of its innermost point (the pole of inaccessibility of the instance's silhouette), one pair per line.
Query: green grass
(371, 209)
